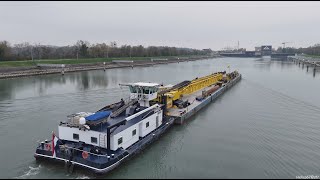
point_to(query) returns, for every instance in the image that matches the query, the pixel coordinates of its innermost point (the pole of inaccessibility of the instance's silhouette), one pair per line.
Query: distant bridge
(253, 54)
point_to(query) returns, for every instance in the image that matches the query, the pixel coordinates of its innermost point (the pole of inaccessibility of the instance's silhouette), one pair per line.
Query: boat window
(94, 140)
(147, 124)
(146, 90)
(138, 90)
(132, 89)
(134, 132)
(119, 140)
(75, 136)
(152, 90)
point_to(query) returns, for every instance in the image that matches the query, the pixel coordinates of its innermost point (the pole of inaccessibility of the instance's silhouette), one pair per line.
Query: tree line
(83, 49)
(311, 50)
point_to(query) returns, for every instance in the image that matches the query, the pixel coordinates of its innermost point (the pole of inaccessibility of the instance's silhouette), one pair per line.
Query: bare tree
(83, 49)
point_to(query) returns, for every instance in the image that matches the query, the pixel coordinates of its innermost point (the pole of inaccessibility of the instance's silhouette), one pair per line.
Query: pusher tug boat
(100, 141)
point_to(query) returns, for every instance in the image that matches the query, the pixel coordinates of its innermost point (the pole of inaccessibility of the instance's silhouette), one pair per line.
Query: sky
(192, 24)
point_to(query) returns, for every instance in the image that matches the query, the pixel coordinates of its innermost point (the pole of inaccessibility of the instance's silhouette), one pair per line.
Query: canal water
(266, 126)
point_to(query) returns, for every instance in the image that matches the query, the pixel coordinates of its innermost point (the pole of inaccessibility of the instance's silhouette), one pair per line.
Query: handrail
(101, 155)
(147, 114)
(87, 152)
(154, 110)
(193, 101)
(121, 109)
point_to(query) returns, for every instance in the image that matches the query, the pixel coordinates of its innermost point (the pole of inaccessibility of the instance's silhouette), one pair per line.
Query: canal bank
(263, 127)
(14, 72)
(309, 62)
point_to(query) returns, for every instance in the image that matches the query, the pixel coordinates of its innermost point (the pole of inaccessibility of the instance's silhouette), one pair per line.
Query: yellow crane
(195, 85)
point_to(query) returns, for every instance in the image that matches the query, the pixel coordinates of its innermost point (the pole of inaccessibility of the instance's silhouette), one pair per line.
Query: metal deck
(177, 112)
(184, 113)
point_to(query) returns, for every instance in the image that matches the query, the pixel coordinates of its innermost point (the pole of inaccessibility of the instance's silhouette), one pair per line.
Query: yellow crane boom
(200, 83)
(195, 85)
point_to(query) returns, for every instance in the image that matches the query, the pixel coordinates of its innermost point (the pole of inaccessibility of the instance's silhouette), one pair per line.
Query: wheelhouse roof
(142, 84)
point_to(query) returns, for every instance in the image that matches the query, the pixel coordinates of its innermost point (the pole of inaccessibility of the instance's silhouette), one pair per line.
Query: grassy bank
(313, 56)
(27, 63)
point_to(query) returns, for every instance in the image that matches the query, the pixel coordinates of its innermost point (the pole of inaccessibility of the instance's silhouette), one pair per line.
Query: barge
(101, 140)
(199, 100)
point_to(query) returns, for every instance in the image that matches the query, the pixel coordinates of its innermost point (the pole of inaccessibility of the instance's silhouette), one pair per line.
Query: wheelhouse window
(146, 91)
(119, 140)
(147, 124)
(94, 140)
(75, 136)
(134, 132)
(132, 89)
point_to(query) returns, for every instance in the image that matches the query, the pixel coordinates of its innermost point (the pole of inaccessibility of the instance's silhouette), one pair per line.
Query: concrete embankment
(33, 71)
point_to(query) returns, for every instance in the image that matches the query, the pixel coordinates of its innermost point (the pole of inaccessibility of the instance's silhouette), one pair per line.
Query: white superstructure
(136, 126)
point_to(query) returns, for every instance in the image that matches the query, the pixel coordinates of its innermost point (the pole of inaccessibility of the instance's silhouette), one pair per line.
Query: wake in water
(31, 172)
(284, 96)
(83, 177)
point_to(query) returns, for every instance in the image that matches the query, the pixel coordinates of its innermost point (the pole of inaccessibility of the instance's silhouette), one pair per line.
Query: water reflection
(268, 112)
(85, 80)
(266, 64)
(42, 83)
(46, 84)
(263, 64)
(6, 90)
(313, 69)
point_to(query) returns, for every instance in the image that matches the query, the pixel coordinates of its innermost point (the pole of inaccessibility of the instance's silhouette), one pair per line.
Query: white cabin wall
(141, 131)
(140, 125)
(152, 124)
(127, 138)
(160, 114)
(66, 133)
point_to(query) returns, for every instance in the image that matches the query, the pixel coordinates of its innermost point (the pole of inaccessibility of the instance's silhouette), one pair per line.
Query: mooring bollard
(104, 66)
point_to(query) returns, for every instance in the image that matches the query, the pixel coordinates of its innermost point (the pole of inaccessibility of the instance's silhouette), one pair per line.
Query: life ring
(85, 154)
(48, 147)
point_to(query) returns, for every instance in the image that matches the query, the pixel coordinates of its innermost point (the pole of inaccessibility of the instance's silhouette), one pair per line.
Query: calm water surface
(267, 126)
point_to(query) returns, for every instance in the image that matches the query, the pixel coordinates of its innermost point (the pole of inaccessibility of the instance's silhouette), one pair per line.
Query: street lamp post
(107, 51)
(32, 53)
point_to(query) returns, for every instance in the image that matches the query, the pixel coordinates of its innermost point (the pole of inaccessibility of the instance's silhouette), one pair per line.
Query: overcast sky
(195, 24)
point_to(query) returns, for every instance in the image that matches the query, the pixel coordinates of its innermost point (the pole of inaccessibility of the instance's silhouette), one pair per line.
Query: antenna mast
(238, 44)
